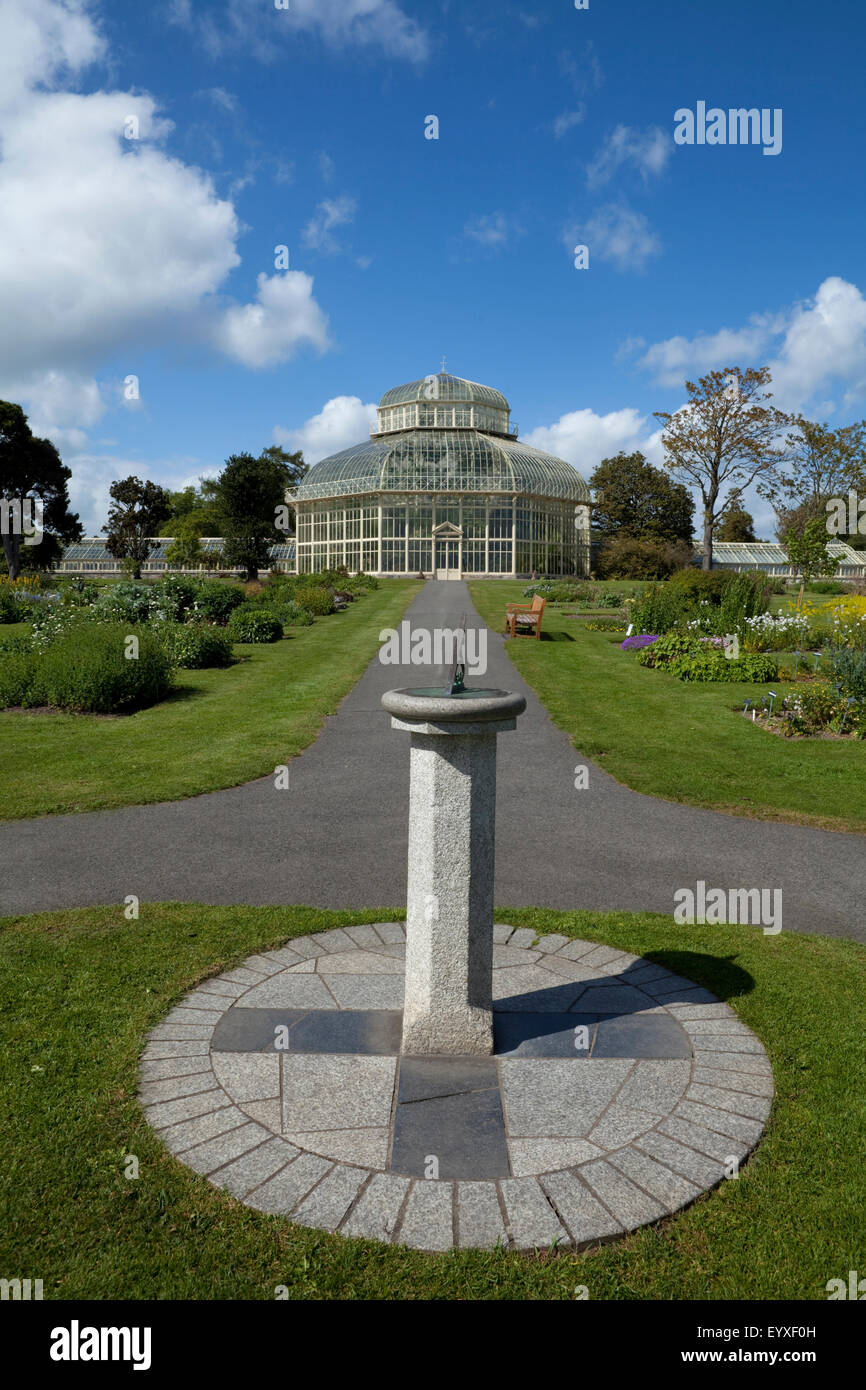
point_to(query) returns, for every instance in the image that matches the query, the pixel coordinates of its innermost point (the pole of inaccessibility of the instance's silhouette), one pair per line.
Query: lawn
(79, 990)
(219, 728)
(673, 739)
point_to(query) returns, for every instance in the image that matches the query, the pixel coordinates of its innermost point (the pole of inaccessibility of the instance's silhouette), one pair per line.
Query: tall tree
(248, 494)
(737, 524)
(30, 467)
(135, 515)
(193, 509)
(636, 500)
(819, 463)
(725, 437)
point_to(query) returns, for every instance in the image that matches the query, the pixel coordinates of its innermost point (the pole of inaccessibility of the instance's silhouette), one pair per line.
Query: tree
(193, 508)
(247, 494)
(807, 549)
(136, 513)
(821, 462)
(186, 549)
(737, 523)
(636, 500)
(30, 467)
(724, 437)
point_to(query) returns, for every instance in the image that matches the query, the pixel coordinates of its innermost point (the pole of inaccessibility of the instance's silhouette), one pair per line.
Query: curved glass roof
(448, 388)
(443, 460)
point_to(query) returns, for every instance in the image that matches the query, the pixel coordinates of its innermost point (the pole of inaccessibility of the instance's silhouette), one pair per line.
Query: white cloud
(333, 212)
(108, 245)
(343, 421)
(815, 350)
(616, 234)
(825, 343)
(93, 474)
(647, 151)
(249, 25)
(584, 438)
(567, 121)
(283, 315)
(226, 101)
(674, 359)
(493, 230)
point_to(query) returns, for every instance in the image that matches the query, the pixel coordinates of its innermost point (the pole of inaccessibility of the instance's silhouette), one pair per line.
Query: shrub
(86, 670)
(192, 646)
(849, 623)
(692, 658)
(17, 659)
(700, 584)
(743, 596)
(316, 599)
(826, 586)
(291, 614)
(251, 624)
(817, 707)
(848, 668)
(78, 593)
(215, 601)
(128, 602)
(624, 557)
(661, 608)
(174, 597)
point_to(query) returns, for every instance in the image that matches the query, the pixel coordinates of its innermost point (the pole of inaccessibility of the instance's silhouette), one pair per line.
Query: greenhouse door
(447, 559)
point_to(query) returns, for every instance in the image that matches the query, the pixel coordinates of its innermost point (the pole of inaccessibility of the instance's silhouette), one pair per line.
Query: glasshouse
(443, 487)
(773, 559)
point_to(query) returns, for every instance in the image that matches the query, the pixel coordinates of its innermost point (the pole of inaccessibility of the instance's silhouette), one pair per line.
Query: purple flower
(643, 639)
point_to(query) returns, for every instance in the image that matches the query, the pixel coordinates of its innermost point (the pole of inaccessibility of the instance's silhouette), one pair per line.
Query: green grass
(676, 740)
(218, 729)
(79, 990)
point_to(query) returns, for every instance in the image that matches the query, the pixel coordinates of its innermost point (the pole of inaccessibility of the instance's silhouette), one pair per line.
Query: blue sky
(257, 127)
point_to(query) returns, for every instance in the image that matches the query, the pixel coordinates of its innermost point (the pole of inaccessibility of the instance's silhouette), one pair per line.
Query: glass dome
(443, 485)
(443, 387)
(443, 461)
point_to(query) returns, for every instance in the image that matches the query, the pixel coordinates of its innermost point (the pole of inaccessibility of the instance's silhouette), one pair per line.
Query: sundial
(455, 686)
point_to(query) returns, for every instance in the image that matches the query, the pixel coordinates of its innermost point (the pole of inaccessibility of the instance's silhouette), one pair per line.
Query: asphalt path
(337, 837)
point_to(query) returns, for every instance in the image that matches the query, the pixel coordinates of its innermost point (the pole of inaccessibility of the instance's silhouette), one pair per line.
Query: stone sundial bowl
(431, 704)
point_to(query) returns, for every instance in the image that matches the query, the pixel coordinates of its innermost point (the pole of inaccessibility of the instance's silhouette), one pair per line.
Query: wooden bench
(524, 619)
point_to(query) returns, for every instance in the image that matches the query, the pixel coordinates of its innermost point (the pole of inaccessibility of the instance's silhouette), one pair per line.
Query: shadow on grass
(716, 973)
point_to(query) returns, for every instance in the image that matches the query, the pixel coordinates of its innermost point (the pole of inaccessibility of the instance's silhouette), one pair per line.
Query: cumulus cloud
(342, 421)
(245, 24)
(584, 438)
(815, 349)
(646, 151)
(283, 315)
(93, 474)
(616, 234)
(332, 212)
(107, 243)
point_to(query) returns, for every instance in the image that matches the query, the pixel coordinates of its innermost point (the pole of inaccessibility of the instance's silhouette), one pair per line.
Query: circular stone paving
(618, 1094)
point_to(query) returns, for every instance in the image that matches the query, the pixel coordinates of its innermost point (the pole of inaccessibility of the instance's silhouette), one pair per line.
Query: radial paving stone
(281, 1081)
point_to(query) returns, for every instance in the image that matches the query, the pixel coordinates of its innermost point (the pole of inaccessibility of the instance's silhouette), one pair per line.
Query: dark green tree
(136, 513)
(636, 500)
(250, 497)
(30, 467)
(737, 524)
